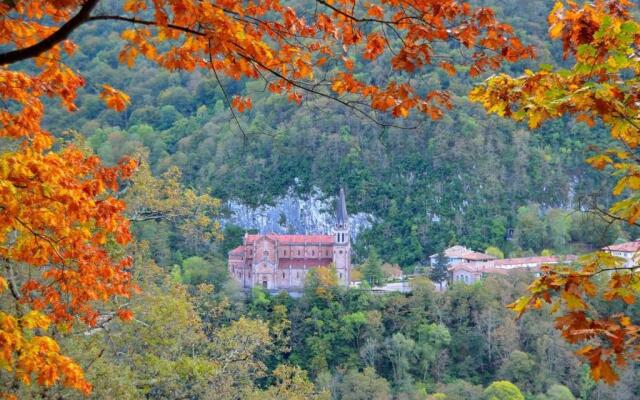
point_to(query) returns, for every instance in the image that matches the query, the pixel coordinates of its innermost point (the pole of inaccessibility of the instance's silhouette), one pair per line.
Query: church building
(281, 262)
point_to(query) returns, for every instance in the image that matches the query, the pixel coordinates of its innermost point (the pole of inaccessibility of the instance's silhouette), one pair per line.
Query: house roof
(478, 267)
(293, 239)
(502, 266)
(237, 250)
(628, 247)
(532, 260)
(475, 256)
(465, 253)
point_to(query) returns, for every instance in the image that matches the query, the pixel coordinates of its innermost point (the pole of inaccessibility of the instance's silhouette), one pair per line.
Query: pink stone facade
(281, 262)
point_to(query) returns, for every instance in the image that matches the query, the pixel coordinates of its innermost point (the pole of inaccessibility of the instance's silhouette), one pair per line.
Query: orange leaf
(113, 98)
(451, 70)
(125, 315)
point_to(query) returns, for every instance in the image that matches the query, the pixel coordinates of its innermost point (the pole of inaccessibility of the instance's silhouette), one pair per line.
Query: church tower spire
(341, 240)
(341, 210)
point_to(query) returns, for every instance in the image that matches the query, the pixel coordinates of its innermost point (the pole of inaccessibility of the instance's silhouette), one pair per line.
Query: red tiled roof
(628, 247)
(294, 239)
(504, 264)
(532, 260)
(478, 267)
(237, 250)
(471, 267)
(475, 256)
(490, 270)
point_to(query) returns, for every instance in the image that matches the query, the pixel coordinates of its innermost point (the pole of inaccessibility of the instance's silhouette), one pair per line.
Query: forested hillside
(128, 128)
(460, 179)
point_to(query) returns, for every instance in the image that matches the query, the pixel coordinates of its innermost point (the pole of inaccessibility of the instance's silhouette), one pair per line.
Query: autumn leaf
(448, 67)
(125, 315)
(241, 103)
(114, 99)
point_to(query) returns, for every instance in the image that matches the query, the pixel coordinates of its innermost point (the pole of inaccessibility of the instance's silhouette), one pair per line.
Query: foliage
(196, 270)
(559, 392)
(365, 385)
(502, 390)
(601, 39)
(494, 251)
(371, 270)
(439, 271)
(292, 383)
(58, 207)
(164, 198)
(61, 229)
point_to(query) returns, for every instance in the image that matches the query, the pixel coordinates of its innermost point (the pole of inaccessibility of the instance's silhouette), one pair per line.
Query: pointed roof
(341, 209)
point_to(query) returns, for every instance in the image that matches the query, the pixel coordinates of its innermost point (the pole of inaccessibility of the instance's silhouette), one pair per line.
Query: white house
(630, 251)
(470, 272)
(460, 254)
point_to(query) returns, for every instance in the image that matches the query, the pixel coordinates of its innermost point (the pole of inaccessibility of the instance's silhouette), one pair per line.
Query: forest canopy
(127, 126)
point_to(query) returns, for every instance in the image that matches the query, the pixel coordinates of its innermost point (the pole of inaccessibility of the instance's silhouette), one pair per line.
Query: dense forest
(167, 321)
(352, 344)
(461, 179)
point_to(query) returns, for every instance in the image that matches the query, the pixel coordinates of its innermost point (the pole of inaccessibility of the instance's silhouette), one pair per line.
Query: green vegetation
(461, 179)
(479, 181)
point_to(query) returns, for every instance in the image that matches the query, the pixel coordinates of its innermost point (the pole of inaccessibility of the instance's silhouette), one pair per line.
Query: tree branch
(47, 44)
(134, 20)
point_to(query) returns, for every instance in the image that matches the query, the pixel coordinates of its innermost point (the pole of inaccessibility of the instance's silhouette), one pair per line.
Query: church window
(285, 252)
(297, 274)
(340, 275)
(283, 275)
(298, 252)
(340, 251)
(313, 252)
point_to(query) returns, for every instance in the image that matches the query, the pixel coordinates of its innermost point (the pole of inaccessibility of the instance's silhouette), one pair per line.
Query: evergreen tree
(372, 268)
(438, 272)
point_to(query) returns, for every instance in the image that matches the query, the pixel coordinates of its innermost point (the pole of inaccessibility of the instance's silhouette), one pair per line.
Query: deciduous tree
(601, 38)
(58, 212)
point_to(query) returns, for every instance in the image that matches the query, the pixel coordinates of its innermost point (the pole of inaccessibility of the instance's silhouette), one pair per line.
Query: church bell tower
(342, 241)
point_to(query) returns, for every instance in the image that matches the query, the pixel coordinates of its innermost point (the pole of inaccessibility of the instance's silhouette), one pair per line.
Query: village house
(630, 251)
(460, 254)
(281, 262)
(470, 272)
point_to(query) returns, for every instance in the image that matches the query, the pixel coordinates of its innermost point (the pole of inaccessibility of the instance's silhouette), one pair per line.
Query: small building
(630, 251)
(460, 254)
(281, 262)
(470, 272)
